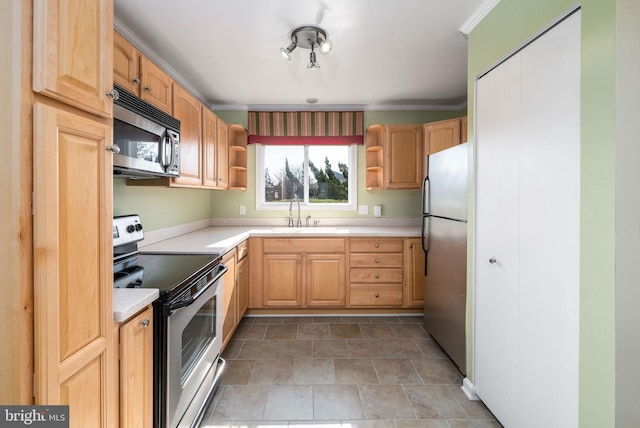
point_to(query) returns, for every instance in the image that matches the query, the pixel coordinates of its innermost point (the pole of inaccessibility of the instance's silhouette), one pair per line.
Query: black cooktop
(169, 273)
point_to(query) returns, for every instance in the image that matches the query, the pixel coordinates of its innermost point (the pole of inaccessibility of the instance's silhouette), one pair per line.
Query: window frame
(262, 205)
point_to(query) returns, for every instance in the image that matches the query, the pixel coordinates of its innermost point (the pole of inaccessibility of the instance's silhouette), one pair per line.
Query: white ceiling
(386, 53)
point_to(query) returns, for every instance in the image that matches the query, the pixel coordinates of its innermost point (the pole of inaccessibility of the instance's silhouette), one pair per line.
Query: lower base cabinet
(136, 371)
(337, 273)
(235, 293)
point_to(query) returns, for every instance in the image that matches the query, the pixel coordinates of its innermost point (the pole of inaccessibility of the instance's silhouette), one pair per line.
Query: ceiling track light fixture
(308, 37)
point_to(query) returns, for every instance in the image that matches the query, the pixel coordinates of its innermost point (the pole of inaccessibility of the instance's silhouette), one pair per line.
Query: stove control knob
(138, 227)
(131, 228)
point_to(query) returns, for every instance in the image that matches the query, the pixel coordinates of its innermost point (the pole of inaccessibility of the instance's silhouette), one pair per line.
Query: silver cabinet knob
(492, 260)
(377, 260)
(297, 261)
(144, 322)
(377, 276)
(113, 94)
(136, 80)
(115, 149)
(377, 245)
(377, 295)
(147, 88)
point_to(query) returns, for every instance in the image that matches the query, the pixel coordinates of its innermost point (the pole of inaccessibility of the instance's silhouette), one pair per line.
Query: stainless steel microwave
(146, 139)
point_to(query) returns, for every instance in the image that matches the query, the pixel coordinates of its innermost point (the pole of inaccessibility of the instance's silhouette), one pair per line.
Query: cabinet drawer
(376, 260)
(376, 245)
(375, 295)
(376, 276)
(304, 245)
(242, 249)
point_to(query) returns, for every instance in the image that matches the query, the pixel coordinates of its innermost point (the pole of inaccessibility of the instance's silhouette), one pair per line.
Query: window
(320, 177)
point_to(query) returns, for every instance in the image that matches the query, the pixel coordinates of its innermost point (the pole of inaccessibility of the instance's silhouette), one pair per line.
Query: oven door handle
(177, 304)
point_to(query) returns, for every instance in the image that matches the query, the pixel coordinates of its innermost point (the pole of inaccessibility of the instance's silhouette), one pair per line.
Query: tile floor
(340, 372)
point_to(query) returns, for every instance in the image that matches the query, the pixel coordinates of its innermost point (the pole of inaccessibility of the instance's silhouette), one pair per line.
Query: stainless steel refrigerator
(444, 240)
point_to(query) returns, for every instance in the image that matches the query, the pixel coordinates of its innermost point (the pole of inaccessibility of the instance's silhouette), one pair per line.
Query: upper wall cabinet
(136, 73)
(444, 134)
(188, 110)
(393, 157)
(72, 51)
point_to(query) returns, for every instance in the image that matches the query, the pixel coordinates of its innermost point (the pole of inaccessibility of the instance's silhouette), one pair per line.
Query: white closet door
(527, 219)
(550, 228)
(497, 220)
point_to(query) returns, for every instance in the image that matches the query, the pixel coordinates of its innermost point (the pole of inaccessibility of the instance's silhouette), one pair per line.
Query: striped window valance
(306, 127)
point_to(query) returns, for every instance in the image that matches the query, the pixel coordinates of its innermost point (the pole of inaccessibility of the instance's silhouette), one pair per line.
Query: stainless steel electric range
(187, 322)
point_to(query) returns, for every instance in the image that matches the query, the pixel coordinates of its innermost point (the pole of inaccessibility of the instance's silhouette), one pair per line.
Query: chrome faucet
(290, 214)
(308, 218)
(299, 223)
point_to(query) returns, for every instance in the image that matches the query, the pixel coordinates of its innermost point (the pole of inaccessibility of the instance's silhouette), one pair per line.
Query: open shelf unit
(237, 157)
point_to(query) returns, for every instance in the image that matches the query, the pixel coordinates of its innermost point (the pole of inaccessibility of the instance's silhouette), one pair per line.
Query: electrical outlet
(363, 209)
(243, 210)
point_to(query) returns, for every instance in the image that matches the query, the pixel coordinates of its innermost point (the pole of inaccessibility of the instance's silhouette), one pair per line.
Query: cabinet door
(136, 372)
(441, 135)
(243, 287)
(404, 157)
(126, 64)
(325, 280)
(73, 272)
(223, 154)
(229, 297)
(209, 148)
(187, 110)
(414, 279)
(72, 46)
(282, 280)
(156, 86)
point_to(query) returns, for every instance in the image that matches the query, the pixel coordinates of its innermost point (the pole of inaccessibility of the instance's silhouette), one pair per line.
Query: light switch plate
(363, 209)
(243, 210)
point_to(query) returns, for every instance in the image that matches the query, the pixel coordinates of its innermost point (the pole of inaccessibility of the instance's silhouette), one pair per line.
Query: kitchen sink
(310, 230)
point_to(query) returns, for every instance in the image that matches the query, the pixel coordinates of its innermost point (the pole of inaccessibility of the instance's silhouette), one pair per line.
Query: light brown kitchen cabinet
(139, 75)
(235, 294)
(214, 152)
(442, 135)
(223, 154)
(72, 48)
(376, 272)
(229, 297)
(136, 370)
(242, 254)
(414, 268)
(304, 272)
(126, 64)
(282, 280)
(188, 110)
(393, 157)
(74, 352)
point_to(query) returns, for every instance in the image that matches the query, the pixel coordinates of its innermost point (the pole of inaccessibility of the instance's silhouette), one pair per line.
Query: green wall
(510, 24)
(161, 207)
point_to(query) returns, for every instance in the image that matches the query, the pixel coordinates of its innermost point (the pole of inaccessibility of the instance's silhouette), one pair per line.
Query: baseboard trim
(469, 390)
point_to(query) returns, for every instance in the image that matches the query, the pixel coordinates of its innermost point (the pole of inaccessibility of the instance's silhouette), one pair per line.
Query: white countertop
(128, 301)
(219, 240)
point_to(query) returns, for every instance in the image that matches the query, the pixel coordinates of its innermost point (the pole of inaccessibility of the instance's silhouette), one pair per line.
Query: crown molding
(471, 22)
(155, 58)
(337, 107)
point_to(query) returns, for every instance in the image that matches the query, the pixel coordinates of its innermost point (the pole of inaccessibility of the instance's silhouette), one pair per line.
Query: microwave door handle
(172, 142)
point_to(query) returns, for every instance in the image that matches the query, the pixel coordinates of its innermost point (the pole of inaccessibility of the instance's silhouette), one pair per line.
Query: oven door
(194, 341)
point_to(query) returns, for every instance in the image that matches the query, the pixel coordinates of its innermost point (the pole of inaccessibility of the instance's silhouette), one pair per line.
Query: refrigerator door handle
(425, 241)
(425, 195)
